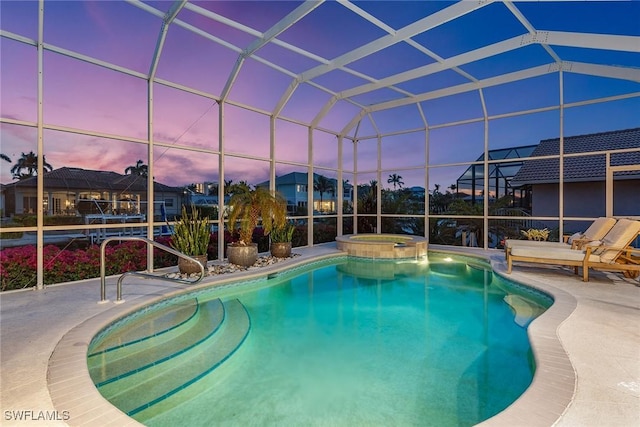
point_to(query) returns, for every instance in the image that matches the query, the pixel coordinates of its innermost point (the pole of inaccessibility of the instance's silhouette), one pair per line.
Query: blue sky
(85, 96)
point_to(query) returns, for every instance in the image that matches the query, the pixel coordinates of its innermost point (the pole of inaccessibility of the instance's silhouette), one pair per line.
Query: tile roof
(68, 178)
(504, 169)
(297, 178)
(582, 168)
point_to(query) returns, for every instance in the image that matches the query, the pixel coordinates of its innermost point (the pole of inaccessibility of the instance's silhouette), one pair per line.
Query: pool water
(341, 343)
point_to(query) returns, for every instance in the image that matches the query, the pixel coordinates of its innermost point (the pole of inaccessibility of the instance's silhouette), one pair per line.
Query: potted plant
(281, 240)
(249, 207)
(535, 234)
(191, 235)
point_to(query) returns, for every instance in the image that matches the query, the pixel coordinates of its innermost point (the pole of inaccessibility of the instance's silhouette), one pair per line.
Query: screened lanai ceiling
(356, 68)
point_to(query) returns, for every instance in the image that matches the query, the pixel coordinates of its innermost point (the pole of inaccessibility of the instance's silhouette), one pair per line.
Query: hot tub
(383, 245)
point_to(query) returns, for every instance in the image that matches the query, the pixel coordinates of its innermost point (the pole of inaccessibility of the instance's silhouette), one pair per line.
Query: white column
(40, 179)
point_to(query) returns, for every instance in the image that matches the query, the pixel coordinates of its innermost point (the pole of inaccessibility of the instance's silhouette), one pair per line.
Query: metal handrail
(103, 285)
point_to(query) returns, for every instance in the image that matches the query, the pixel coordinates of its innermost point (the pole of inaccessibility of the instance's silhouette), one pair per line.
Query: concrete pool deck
(44, 335)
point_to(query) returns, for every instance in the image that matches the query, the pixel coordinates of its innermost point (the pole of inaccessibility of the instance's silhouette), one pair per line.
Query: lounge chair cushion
(596, 231)
(599, 228)
(510, 243)
(619, 237)
(575, 236)
(560, 254)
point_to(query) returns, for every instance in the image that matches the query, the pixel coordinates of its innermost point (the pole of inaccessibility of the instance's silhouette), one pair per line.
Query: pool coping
(543, 403)
(70, 386)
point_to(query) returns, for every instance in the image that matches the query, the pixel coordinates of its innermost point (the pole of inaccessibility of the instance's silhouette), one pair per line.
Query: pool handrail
(103, 285)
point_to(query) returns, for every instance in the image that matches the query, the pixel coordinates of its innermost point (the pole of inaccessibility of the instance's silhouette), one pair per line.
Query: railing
(518, 224)
(103, 285)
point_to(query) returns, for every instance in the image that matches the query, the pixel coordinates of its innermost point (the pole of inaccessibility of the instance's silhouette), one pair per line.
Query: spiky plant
(282, 234)
(533, 234)
(191, 233)
(250, 206)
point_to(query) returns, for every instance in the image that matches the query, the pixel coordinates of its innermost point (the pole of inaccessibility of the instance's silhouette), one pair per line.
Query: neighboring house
(417, 192)
(3, 213)
(294, 187)
(69, 191)
(470, 185)
(198, 199)
(584, 176)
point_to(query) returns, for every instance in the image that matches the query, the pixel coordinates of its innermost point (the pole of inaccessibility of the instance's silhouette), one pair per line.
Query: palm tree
(139, 169)
(250, 206)
(5, 157)
(238, 188)
(347, 196)
(322, 185)
(396, 180)
(29, 162)
(367, 197)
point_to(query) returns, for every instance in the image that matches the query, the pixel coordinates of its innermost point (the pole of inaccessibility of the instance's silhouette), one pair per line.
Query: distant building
(584, 176)
(294, 187)
(3, 213)
(417, 192)
(470, 185)
(200, 200)
(72, 191)
(207, 188)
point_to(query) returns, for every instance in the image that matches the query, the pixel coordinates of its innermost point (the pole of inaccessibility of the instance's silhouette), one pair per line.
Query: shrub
(534, 234)
(323, 233)
(32, 220)
(18, 265)
(300, 236)
(259, 238)
(11, 235)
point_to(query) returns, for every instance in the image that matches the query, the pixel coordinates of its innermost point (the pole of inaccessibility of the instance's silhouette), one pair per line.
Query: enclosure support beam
(221, 184)
(340, 185)
(441, 17)
(310, 191)
(40, 150)
(561, 160)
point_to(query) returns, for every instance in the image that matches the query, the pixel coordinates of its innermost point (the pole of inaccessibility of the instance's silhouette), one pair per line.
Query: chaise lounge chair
(596, 231)
(613, 253)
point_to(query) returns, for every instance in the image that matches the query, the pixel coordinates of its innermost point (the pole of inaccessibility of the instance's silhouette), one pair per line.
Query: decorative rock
(228, 268)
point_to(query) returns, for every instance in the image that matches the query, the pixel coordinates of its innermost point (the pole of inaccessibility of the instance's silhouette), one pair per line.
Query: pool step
(127, 360)
(149, 324)
(142, 389)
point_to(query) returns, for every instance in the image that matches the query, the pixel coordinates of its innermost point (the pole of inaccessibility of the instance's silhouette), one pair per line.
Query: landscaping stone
(224, 267)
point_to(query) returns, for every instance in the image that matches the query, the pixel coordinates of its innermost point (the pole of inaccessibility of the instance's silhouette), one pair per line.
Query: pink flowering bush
(18, 265)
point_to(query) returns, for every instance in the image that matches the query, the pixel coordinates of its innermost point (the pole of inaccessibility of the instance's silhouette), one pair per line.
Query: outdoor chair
(612, 253)
(596, 231)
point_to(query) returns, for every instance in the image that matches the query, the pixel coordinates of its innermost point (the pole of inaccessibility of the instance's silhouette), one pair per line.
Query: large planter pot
(244, 256)
(281, 249)
(189, 267)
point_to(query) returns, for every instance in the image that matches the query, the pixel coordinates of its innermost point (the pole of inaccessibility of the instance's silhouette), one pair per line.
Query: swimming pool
(343, 342)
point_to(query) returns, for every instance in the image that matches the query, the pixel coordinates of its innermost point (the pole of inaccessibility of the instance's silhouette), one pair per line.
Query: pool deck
(587, 346)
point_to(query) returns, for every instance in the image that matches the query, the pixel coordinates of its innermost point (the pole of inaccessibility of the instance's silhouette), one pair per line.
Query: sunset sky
(85, 96)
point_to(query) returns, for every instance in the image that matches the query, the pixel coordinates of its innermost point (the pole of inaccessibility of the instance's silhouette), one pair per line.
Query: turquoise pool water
(340, 343)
